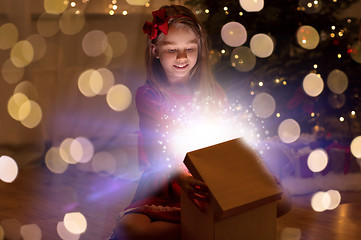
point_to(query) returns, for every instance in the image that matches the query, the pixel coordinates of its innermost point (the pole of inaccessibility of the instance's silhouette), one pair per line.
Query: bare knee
(132, 227)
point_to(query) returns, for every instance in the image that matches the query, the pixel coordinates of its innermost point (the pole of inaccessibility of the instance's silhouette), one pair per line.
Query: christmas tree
(282, 74)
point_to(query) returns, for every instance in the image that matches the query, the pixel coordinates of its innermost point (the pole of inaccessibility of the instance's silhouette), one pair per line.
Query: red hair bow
(160, 23)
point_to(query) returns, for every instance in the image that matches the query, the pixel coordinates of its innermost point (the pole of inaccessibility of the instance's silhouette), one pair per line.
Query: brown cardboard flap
(236, 177)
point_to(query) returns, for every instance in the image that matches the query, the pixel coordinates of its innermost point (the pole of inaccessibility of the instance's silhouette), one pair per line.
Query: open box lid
(237, 178)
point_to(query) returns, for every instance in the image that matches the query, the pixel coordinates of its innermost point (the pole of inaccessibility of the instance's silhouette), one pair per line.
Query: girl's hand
(196, 190)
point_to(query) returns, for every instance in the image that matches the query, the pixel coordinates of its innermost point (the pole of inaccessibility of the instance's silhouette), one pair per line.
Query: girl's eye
(190, 49)
(171, 50)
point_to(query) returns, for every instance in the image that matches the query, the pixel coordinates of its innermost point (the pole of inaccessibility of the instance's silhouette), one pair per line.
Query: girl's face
(177, 52)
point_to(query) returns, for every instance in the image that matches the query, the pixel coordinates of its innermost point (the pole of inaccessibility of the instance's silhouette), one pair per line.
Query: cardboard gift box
(243, 195)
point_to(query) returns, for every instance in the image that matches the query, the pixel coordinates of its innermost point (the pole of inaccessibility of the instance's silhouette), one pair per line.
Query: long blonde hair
(201, 78)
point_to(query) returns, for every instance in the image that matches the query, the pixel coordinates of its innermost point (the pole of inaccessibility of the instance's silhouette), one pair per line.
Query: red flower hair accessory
(160, 23)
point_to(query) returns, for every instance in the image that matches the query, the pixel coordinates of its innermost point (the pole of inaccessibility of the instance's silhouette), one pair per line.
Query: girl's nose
(181, 55)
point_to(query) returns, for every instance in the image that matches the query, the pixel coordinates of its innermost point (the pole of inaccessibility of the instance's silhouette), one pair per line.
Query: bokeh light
(310, 6)
(64, 233)
(290, 233)
(243, 59)
(11, 228)
(337, 81)
(30, 118)
(335, 198)
(9, 35)
(75, 222)
(119, 97)
(54, 162)
(320, 201)
(252, 5)
(95, 43)
(39, 45)
(261, 45)
(118, 42)
(313, 84)
(234, 34)
(55, 6)
(138, 2)
(107, 78)
(22, 53)
(30, 232)
(11, 73)
(317, 160)
(81, 149)
(289, 130)
(72, 21)
(308, 37)
(263, 105)
(87, 81)
(65, 151)
(8, 169)
(2, 233)
(15, 102)
(336, 100)
(356, 147)
(104, 163)
(356, 52)
(27, 88)
(48, 24)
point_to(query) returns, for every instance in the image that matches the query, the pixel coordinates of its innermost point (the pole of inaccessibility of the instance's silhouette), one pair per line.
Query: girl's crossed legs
(137, 226)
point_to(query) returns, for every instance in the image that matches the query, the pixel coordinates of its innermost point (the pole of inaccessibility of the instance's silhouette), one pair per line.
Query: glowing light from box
(48, 24)
(9, 36)
(290, 233)
(356, 147)
(72, 21)
(356, 52)
(75, 222)
(95, 43)
(118, 42)
(39, 45)
(317, 160)
(54, 162)
(11, 73)
(308, 37)
(289, 130)
(31, 231)
(252, 5)
(263, 105)
(55, 6)
(64, 233)
(22, 53)
(243, 59)
(196, 127)
(8, 169)
(138, 2)
(335, 197)
(233, 34)
(104, 163)
(312, 84)
(261, 45)
(81, 149)
(119, 97)
(337, 81)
